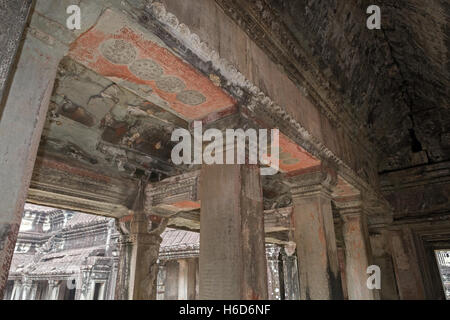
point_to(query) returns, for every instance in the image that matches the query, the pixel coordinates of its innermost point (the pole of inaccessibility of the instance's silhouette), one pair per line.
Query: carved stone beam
(68, 186)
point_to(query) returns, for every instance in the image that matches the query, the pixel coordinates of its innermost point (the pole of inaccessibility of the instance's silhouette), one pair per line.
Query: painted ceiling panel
(139, 61)
(294, 158)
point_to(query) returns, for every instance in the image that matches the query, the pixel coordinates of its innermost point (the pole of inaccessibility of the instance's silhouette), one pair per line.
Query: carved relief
(171, 190)
(259, 103)
(13, 15)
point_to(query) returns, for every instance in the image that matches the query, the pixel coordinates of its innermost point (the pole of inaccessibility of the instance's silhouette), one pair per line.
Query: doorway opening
(443, 261)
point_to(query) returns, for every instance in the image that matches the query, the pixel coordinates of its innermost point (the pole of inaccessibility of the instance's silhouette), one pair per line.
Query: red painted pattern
(305, 159)
(85, 50)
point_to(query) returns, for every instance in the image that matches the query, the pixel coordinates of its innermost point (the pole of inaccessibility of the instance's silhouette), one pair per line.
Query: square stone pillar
(290, 276)
(357, 250)
(187, 279)
(232, 243)
(382, 257)
(182, 279)
(138, 262)
(314, 234)
(34, 288)
(21, 123)
(192, 279)
(140, 243)
(123, 272)
(406, 265)
(274, 272)
(144, 260)
(171, 281)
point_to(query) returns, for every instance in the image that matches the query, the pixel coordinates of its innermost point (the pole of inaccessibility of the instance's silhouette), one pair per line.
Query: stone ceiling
(121, 92)
(118, 50)
(394, 80)
(96, 122)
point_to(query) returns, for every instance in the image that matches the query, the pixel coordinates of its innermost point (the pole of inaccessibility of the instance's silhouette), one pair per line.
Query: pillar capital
(349, 207)
(145, 239)
(319, 180)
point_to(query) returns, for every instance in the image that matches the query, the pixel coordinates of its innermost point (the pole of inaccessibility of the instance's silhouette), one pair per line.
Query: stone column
(26, 289)
(84, 287)
(21, 124)
(186, 279)
(192, 279)
(53, 289)
(381, 251)
(171, 282)
(273, 271)
(182, 279)
(314, 234)
(112, 280)
(197, 279)
(161, 288)
(139, 270)
(407, 272)
(123, 272)
(17, 290)
(341, 259)
(34, 288)
(290, 276)
(144, 259)
(356, 247)
(232, 243)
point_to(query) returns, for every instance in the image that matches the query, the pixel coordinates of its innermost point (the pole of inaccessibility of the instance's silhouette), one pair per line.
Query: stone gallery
(105, 192)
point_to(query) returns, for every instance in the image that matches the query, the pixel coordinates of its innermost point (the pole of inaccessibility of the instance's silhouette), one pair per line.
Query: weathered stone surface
(405, 112)
(140, 246)
(13, 17)
(419, 192)
(314, 234)
(382, 257)
(21, 125)
(408, 276)
(278, 100)
(364, 100)
(232, 253)
(357, 249)
(58, 183)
